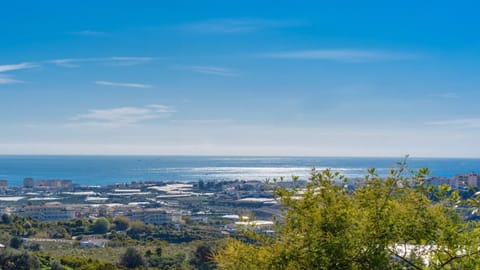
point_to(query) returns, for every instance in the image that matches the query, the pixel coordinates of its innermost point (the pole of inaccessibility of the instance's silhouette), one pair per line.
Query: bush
(15, 260)
(328, 226)
(100, 226)
(132, 258)
(16, 242)
(121, 223)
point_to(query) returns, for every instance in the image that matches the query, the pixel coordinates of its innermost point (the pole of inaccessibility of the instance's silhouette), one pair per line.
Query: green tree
(6, 219)
(121, 223)
(385, 223)
(203, 257)
(100, 226)
(137, 228)
(16, 242)
(132, 258)
(158, 251)
(16, 260)
(56, 265)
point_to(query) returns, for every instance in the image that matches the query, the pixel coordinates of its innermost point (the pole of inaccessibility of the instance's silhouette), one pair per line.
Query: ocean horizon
(109, 169)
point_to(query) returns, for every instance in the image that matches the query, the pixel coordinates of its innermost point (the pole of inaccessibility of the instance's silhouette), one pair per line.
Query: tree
(56, 265)
(16, 260)
(132, 258)
(6, 219)
(16, 242)
(203, 257)
(137, 228)
(100, 226)
(393, 222)
(121, 223)
(158, 251)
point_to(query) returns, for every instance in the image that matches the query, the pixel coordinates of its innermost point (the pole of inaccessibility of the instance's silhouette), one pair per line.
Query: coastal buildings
(49, 212)
(466, 180)
(28, 183)
(3, 186)
(54, 184)
(459, 181)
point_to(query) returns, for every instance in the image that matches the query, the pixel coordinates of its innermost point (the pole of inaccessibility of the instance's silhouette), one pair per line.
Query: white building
(47, 212)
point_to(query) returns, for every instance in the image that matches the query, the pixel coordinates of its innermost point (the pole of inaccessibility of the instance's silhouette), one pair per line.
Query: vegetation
(394, 222)
(132, 258)
(397, 222)
(100, 226)
(18, 260)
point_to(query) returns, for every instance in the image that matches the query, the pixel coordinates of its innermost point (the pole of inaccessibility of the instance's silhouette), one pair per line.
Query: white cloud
(66, 62)
(458, 123)
(11, 67)
(122, 116)
(343, 55)
(128, 60)
(211, 70)
(8, 80)
(114, 60)
(240, 25)
(132, 85)
(5, 79)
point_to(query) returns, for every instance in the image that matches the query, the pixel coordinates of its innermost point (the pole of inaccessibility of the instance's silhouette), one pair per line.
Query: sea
(104, 170)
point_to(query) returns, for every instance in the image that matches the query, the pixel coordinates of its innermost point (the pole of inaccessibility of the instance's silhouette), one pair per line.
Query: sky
(289, 78)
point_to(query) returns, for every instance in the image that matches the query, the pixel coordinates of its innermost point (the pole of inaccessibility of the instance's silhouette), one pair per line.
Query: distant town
(149, 202)
(156, 202)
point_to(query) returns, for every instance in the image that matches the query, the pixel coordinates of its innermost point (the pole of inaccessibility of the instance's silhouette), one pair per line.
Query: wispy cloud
(236, 25)
(91, 33)
(11, 67)
(458, 123)
(122, 116)
(8, 80)
(202, 121)
(129, 60)
(342, 55)
(120, 84)
(66, 62)
(115, 60)
(210, 70)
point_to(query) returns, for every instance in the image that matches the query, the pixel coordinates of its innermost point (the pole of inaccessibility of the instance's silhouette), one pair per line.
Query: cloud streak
(210, 70)
(122, 116)
(114, 60)
(341, 55)
(8, 80)
(11, 67)
(459, 123)
(236, 25)
(119, 84)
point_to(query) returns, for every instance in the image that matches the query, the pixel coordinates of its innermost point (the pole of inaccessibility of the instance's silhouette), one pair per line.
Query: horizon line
(242, 155)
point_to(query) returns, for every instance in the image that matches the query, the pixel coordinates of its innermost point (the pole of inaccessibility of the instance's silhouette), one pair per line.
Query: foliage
(100, 226)
(6, 219)
(18, 260)
(16, 242)
(121, 223)
(56, 265)
(203, 256)
(132, 258)
(326, 225)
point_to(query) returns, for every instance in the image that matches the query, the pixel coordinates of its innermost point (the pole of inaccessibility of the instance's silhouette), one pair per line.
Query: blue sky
(322, 78)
